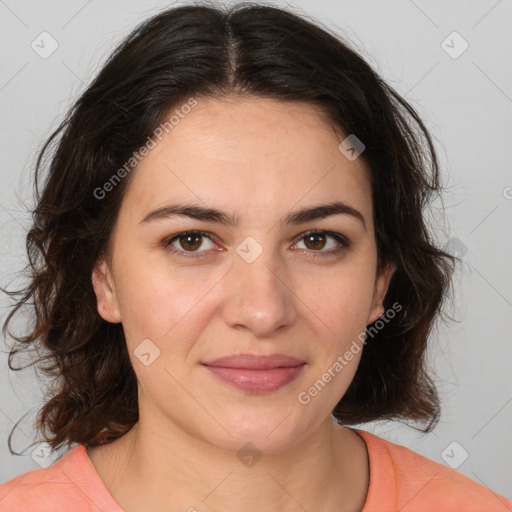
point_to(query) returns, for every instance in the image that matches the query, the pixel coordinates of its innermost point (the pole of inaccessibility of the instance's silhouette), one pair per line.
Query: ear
(381, 287)
(106, 298)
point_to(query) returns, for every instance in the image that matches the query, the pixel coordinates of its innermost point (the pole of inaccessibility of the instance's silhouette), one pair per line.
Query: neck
(169, 469)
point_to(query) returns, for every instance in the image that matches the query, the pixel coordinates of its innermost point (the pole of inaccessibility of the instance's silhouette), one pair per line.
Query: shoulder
(49, 489)
(406, 480)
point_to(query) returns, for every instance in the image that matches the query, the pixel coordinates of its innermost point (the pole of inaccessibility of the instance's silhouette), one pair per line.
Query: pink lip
(256, 373)
(255, 362)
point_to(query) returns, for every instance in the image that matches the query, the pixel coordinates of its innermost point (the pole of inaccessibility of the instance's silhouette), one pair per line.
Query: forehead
(256, 155)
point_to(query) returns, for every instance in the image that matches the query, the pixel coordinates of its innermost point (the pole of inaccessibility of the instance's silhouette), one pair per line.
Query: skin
(259, 159)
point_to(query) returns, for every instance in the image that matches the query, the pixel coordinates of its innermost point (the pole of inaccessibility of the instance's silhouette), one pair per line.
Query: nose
(259, 296)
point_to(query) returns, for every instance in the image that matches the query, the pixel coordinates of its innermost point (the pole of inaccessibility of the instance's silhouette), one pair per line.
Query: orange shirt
(400, 480)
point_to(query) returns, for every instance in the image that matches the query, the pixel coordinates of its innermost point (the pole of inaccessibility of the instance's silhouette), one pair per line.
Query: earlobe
(104, 289)
(381, 287)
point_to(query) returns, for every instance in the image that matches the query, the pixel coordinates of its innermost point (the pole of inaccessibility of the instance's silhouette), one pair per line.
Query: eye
(187, 242)
(317, 240)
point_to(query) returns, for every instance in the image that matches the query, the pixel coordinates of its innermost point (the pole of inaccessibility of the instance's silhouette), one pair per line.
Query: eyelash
(344, 243)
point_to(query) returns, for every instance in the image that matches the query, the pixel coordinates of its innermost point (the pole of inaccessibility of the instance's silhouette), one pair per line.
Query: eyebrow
(198, 212)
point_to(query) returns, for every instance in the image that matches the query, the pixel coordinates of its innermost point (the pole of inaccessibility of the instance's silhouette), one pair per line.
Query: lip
(255, 361)
(258, 374)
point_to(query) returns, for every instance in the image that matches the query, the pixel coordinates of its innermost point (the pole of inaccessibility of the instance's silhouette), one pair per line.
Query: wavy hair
(250, 50)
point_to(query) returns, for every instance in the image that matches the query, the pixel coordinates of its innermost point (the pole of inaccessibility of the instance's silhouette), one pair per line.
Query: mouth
(254, 373)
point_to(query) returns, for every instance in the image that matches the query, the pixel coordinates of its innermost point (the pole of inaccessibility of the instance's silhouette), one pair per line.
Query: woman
(231, 267)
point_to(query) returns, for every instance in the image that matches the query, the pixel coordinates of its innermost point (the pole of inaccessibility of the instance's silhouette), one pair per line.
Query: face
(251, 281)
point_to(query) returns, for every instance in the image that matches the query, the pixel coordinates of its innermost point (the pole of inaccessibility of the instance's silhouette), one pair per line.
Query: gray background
(466, 102)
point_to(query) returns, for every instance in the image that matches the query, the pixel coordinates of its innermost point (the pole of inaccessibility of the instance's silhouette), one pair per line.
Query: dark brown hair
(251, 50)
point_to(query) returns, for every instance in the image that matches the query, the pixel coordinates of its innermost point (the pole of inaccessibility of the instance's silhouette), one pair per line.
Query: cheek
(169, 308)
(341, 299)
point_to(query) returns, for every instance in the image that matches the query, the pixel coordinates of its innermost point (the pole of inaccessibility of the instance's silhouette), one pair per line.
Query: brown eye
(188, 243)
(315, 241)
